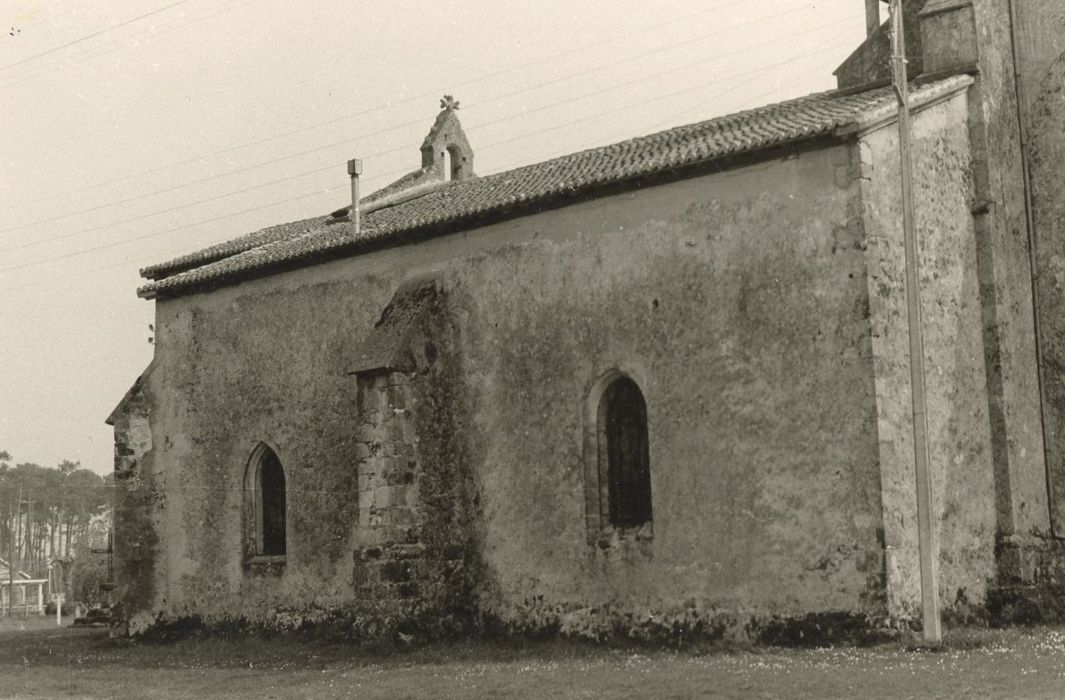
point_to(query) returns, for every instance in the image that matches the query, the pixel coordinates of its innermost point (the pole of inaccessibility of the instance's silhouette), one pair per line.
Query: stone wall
(1041, 54)
(414, 561)
(738, 305)
(390, 575)
(956, 385)
(137, 501)
(739, 301)
(1005, 265)
(975, 36)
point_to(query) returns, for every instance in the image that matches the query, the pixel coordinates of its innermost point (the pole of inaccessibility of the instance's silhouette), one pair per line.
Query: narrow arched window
(272, 497)
(448, 164)
(623, 443)
(453, 164)
(265, 499)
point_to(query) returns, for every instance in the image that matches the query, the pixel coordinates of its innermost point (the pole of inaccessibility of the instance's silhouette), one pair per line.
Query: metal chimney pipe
(355, 169)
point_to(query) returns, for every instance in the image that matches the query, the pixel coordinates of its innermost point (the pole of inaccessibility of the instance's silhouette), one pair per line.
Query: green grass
(38, 660)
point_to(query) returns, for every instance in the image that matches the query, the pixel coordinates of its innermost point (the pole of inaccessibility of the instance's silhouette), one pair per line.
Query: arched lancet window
(448, 164)
(622, 424)
(454, 163)
(265, 487)
(272, 497)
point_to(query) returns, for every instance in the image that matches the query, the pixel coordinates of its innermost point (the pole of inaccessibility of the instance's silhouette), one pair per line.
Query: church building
(656, 389)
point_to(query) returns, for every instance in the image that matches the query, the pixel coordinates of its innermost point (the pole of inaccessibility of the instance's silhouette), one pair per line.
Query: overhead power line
(35, 73)
(555, 57)
(379, 153)
(51, 15)
(754, 99)
(177, 208)
(94, 34)
(114, 244)
(156, 234)
(623, 108)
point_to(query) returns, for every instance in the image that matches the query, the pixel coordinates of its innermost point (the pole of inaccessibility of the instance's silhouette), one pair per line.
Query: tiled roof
(514, 192)
(222, 250)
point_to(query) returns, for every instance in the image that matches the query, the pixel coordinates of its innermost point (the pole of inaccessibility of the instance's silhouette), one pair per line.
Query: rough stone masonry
(432, 384)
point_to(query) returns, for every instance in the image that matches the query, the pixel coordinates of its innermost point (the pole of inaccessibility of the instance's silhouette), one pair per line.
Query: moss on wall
(1043, 69)
(1006, 270)
(737, 301)
(416, 566)
(956, 394)
(732, 313)
(137, 501)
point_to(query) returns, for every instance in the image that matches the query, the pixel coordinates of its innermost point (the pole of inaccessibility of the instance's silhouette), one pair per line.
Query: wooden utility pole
(18, 514)
(10, 537)
(16, 510)
(27, 545)
(926, 534)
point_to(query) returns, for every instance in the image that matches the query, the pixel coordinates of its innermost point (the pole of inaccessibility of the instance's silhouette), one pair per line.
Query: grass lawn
(39, 660)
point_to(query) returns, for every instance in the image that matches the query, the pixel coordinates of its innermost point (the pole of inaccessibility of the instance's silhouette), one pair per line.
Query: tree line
(51, 513)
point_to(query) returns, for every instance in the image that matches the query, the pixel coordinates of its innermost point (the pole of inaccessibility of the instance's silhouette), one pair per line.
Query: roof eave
(512, 210)
(239, 265)
(880, 117)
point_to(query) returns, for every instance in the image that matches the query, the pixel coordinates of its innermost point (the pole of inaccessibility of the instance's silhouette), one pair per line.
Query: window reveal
(272, 500)
(623, 420)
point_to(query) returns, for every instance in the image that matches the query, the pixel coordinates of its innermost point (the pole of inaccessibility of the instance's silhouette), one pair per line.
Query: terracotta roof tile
(303, 242)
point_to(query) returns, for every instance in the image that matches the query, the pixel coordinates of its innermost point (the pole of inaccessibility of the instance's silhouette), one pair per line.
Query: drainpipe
(1032, 257)
(355, 169)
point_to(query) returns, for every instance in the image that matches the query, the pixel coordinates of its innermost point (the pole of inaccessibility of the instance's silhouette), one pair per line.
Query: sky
(134, 132)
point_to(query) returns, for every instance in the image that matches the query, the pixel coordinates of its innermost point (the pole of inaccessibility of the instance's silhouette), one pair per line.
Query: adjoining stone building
(658, 387)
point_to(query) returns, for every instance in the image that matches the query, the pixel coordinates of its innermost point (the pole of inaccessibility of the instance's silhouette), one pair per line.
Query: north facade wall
(738, 304)
(738, 301)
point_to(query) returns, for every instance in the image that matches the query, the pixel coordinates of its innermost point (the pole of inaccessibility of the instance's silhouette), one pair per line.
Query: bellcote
(445, 150)
(446, 155)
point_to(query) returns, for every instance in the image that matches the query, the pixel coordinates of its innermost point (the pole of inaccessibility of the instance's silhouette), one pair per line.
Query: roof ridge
(789, 121)
(202, 256)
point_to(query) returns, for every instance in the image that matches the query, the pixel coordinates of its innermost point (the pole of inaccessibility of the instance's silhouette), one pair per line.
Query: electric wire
(42, 68)
(504, 118)
(752, 73)
(55, 62)
(38, 72)
(552, 58)
(94, 34)
(51, 16)
(412, 122)
(701, 105)
(599, 115)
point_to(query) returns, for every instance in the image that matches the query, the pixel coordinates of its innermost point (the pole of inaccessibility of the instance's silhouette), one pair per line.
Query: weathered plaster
(958, 423)
(1006, 279)
(138, 501)
(1041, 55)
(761, 311)
(758, 309)
(740, 295)
(975, 36)
(742, 302)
